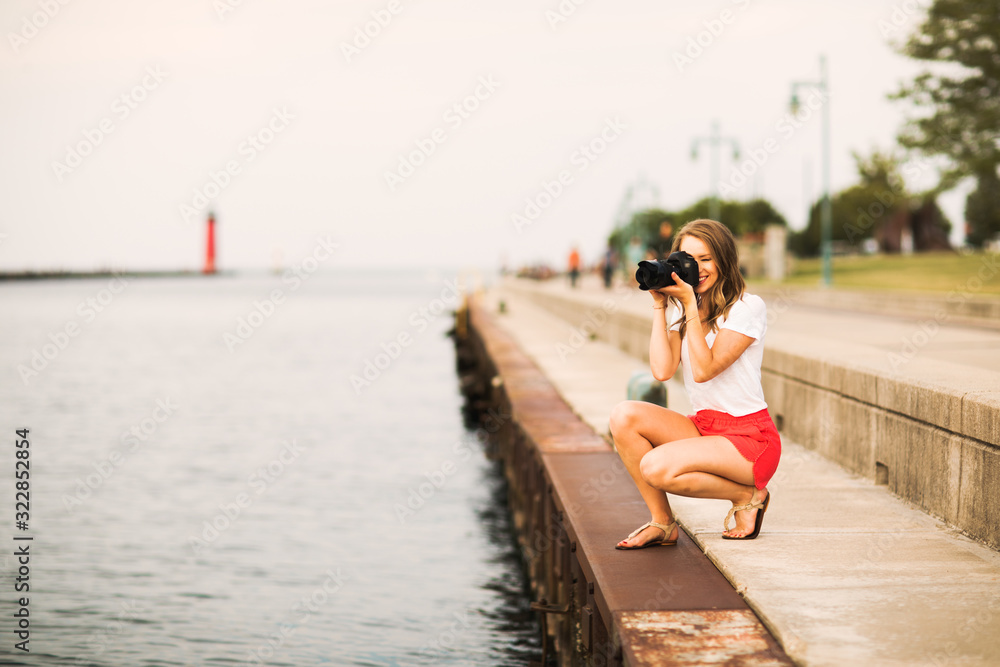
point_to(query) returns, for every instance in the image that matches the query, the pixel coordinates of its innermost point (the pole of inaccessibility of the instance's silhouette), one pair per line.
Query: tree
(878, 206)
(760, 214)
(858, 210)
(982, 209)
(740, 217)
(855, 214)
(646, 225)
(962, 101)
(877, 201)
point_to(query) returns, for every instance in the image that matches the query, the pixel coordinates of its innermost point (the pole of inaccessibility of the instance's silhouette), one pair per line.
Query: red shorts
(754, 436)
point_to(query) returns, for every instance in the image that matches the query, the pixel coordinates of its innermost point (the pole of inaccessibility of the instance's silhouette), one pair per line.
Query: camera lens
(653, 274)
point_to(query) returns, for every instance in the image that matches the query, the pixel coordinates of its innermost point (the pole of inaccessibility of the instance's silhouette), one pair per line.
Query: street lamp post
(714, 141)
(825, 211)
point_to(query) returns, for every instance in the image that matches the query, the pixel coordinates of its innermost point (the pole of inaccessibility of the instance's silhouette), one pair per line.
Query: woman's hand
(680, 290)
(659, 298)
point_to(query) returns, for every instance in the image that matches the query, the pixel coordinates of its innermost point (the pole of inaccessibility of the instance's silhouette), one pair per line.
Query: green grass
(938, 271)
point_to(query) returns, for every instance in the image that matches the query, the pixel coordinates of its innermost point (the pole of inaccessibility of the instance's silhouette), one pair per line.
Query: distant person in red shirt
(574, 266)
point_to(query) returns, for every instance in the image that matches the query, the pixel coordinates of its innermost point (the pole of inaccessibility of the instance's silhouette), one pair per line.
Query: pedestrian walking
(574, 266)
(610, 260)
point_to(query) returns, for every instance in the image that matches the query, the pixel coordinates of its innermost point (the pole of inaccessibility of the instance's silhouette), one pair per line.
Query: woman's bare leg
(704, 467)
(637, 428)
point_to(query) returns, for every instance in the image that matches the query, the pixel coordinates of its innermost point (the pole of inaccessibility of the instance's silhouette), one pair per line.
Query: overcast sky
(118, 116)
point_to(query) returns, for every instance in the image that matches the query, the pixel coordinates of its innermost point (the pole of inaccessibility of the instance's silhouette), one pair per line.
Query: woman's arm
(706, 362)
(664, 346)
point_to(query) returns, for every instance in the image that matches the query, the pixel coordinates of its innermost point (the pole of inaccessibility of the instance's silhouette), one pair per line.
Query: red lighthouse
(210, 246)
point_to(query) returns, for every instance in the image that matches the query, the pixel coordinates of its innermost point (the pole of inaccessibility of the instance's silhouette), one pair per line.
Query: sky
(415, 133)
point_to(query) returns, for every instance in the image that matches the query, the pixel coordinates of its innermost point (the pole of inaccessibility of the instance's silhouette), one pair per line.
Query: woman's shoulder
(750, 303)
(748, 312)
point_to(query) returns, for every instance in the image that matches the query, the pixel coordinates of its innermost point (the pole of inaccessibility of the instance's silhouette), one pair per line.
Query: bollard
(642, 386)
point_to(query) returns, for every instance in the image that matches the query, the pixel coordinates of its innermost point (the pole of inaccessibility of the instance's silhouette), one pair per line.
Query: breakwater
(571, 500)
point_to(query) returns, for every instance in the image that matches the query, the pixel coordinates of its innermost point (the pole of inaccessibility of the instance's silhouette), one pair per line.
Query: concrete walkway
(843, 572)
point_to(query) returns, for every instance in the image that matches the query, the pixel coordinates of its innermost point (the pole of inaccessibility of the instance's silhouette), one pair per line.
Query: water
(206, 494)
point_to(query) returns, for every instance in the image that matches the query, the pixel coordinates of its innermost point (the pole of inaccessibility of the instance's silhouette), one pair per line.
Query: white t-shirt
(737, 390)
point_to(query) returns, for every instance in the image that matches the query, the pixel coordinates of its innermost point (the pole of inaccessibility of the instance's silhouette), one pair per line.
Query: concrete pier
(572, 501)
(851, 567)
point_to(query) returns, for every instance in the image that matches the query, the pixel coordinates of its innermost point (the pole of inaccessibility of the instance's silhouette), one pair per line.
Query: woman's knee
(624, 417)
(655, 469)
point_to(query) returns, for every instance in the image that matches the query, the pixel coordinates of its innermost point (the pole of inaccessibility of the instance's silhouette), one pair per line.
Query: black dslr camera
(656, 274)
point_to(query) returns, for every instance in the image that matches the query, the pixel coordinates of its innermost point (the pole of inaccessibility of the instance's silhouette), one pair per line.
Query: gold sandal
(754, 504)
(662, 542)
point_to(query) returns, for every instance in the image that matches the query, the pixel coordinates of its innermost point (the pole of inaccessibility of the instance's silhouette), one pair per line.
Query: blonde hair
(729, 287)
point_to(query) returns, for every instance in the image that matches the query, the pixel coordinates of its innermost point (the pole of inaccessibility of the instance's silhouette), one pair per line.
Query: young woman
(729, 448)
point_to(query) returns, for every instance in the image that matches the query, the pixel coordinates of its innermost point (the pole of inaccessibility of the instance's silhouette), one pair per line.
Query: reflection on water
(200, 502)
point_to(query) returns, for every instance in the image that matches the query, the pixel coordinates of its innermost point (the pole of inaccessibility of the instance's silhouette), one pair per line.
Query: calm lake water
(296, 490)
